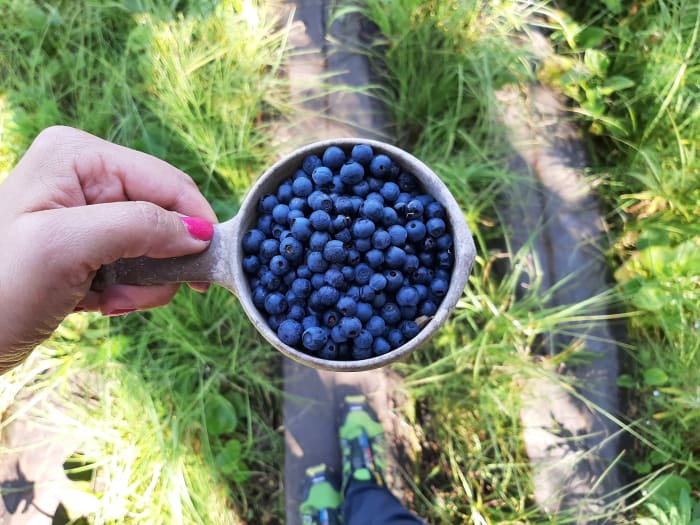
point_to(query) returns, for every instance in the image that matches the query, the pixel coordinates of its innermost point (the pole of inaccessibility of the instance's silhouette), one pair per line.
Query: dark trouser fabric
(369, 504)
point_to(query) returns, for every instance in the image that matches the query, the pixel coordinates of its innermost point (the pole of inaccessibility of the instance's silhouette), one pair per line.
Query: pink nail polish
(200, 229)
(120, 311)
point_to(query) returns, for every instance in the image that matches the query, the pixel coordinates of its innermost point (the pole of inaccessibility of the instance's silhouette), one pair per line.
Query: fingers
(77, 168)
(122, 299)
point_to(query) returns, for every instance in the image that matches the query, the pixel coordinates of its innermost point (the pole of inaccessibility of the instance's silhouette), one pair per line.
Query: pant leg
(367, 503)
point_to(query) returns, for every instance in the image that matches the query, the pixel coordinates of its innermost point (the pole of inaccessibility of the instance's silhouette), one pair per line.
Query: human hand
(73, 203)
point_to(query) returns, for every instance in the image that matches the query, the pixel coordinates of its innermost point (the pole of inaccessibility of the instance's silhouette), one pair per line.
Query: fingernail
(120, 311)
(200, 229)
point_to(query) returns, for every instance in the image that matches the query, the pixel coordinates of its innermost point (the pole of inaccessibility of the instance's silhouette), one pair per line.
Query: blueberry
(415, 230)
(259, 294)
(350, 326)
(333, 157)
(337, 334)
(379, 300)
(380, 346)
(275, 303)
(343, 236)
(279, 213)
(301, 229)
(317, 280)
(378, 282)
(267, 203)
(318, 240)
(363, 273)
(422, 291)
(301, 287)
(363, 340)
(302, 187)
(411, 265)
(296, 312)
(407, 182)
(344, 206)
(351, 173)
(394, 257)
(291, 249)
(251, 264)
(363, 228)
(340, 222)
(310, 164)
(371, 209)
(441, 273)
(252, 241)
(270, 281)
(425, 199)
(435, 227)
(328, 295)
(444, 242)
(289, 332)
(375, 325)
(357, 203)
(334, 277)
(279, 265)
(359, 354)
(381, 239)
(364, 311)
(314, 338)
(353, 292)
(409, 312)
(363, 245)
(394, 280)
(445, 260)
(277, 230)
(361, 189)
(389, 217)
(429, 244)
(297, 204)
(374, 258)
(274, 321)
(390, 313)
(380, 166)
(265, 224)
(348, 273)
(322, 176)
(330, 318)
(316, 262)
(304, 272)
(334, 251)
(439, 287)
(375, 185)
(320, 201)
(289, 278)
(414, 209)
(347, 306)
(398, 235)
(329, 351)
(367, 293)
(435, 210)
(268, 249)
(362, 153)
(421, 276)
(407, 296)
(353, 257)
(336, 186)
(309, 321)
(395, 338)
(409, 329)
(285, 192)
(320, 220)
(426, 259)
(390, 191)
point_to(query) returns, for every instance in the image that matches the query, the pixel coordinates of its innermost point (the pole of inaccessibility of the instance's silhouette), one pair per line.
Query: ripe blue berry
(279, 265)
(409, 312)
(348, 273)
(340, 222)
(334, 277)
(296, 312)
(309, 321)
(411, 265)
(251, 264)
(289, 332)
(265, 224)
(322, 176)
(367, 293)
(395, 338)
(297, 204)
(316, 262)
(328, 295)
(421, 276)
(407, 182)
(302, 187)
(343, 236)
(378, 282)
(390, 313)
(435, 210)
(376, 325)
(439, 287)
(317, 280)
(269, 280)
(259, 294)
(389, 217)
(371, 209)
(314, 338)
(268, 249)
(291, 249)
(279, 213)
(330, 318)
(416, 230)
(414, 209)
(374, 258)
(407, 296)
(277, 230)
(363, 273)
(275, 303)
(361, 189)
(394, 280)
(394, 257)
(351, 173)
(320, 220)
(284, 192)
(390, 191)
(364, 311)
(353, 292)
(347, 306)
(380, 166)
(353, 257)
(275, 320)
(435, 227)
(301, 229)
(318, 240)
(337, 334)
(363, 340)
(445, 260)
(334, 251)
(267, 203)
(422, 291)
(381, 239)
(409, 329)
(301, 287)
(363, 245)
(303, 272)
(343, 205)
(310, 164)
(375, 185)
(444, 242)
(252, 241)
(398, 235)
(363, 228)
(358, 353)
(350, 326)
(329, 351)
(333, 157)
(362, 153)
(379, 300)
(380, 346)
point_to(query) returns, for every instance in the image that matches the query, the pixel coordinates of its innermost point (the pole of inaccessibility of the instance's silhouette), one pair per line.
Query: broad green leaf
(650, 297)
(615, 83)
(615, 6)
(626, 381)
(591, 37)
(597, 62)
(655, 377)
(227, 459)
(220, 416)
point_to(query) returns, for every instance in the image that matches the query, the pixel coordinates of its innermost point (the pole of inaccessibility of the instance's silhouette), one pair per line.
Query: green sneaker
(361, 443)
(322, 502)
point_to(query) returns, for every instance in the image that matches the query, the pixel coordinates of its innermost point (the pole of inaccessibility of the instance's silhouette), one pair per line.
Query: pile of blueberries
(348, 255)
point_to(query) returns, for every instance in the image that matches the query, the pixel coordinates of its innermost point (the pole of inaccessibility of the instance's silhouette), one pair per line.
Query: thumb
(98, 234)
